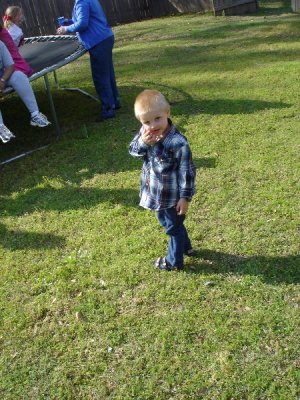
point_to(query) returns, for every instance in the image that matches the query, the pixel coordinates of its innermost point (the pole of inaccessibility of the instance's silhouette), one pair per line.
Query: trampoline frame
(44, 73)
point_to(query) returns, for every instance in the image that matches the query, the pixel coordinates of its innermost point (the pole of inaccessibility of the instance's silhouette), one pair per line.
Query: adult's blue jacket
(89, 22)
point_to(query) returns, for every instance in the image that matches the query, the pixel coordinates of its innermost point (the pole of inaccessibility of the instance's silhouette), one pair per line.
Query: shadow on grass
(237, 106)
(67, 199)
(75, 160)
(183, 105)
(226, 47)
(27, 137)
(271, 269)
(19, 240)
(97, 149)
(74, 198)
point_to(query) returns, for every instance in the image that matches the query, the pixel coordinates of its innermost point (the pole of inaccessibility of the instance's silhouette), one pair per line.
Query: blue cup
(61, 21)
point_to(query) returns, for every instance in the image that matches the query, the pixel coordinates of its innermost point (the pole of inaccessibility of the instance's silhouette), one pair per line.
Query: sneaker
(5, 134)
(39, 120)
(162, 264)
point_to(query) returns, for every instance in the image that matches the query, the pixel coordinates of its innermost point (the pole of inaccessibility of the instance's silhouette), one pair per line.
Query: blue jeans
(103, 74)
(179, 242)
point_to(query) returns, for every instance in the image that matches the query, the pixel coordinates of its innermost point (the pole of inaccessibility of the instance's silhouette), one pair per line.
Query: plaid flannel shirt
(168, 172)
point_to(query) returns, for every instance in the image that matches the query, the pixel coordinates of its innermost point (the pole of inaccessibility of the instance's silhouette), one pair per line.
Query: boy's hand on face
(182, 206)
(150, 138)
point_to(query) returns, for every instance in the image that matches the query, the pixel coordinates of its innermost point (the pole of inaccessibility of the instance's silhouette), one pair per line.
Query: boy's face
(155, 122)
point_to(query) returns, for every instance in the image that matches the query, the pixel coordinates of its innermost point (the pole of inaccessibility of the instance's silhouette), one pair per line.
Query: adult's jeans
(179, 242)
(103, 74)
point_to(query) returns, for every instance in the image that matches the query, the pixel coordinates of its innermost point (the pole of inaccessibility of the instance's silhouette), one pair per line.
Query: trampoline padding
(43, 55)
(47, 53)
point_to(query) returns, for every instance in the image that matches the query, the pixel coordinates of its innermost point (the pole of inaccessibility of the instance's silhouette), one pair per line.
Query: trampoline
(45, 54)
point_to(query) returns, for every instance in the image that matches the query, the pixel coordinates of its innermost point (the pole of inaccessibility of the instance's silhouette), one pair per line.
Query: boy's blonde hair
(10, 13)
(148, 100)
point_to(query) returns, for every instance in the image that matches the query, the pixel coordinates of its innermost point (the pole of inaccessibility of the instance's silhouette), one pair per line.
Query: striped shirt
(168, 172)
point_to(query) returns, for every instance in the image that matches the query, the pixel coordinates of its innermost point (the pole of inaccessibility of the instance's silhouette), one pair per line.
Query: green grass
(83, 314)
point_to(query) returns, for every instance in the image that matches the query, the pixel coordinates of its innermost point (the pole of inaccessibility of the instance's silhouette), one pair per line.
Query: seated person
(20, 63)
(20, 83)
(13, 18)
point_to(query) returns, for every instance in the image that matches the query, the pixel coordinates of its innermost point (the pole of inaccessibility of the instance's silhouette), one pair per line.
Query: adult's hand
(4, 78)
(61, 30)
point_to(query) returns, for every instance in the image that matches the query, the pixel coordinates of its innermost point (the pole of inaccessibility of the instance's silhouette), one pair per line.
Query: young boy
(168, 173)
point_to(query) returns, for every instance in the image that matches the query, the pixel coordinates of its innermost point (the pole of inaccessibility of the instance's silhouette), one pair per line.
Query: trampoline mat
(41, 55)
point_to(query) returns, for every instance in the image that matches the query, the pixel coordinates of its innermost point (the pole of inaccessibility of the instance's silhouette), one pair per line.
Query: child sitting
(12, 19)
(21, 84)
(168, 174)
(20, 63)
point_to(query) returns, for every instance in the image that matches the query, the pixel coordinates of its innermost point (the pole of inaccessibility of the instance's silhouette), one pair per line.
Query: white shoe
(39, 120)
(5, 134)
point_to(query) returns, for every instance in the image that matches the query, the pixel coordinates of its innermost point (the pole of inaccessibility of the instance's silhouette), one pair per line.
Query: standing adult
(95, 34)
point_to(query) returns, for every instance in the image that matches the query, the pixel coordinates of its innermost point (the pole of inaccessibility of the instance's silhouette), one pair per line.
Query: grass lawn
(83, 314)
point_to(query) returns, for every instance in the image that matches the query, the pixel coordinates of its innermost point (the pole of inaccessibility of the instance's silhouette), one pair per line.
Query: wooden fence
(41, 15)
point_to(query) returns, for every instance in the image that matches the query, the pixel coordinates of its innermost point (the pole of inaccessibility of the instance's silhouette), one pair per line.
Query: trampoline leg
(82, 92)
(56, 79)
(53, 112)
(73, 89)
